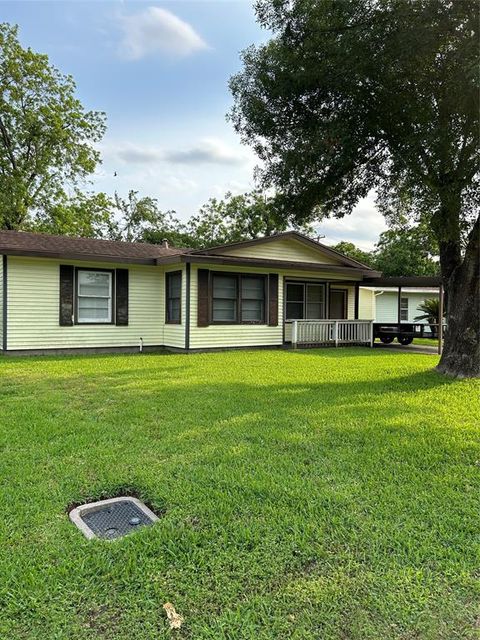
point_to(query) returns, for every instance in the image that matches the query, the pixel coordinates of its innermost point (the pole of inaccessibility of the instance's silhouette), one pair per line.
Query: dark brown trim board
(187, 306)
(4, 302)
(235, 262)
(272, 299)
(203, 296)
(402, 281)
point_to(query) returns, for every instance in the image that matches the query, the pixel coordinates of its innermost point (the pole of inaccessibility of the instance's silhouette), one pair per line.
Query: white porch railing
(334, 332)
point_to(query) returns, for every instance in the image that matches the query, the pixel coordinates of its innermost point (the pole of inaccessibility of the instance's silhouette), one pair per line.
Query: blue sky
(160, 71)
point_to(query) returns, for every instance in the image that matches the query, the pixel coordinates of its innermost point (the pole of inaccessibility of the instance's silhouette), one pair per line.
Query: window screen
(295, 301)
(94, 296)
(224, 299)
(174, 296)
(253, 299)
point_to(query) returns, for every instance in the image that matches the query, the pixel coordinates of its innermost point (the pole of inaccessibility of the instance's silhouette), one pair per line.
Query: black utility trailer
(404, 332)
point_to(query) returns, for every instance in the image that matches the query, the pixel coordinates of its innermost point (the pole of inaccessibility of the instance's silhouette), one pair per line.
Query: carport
(401, 283)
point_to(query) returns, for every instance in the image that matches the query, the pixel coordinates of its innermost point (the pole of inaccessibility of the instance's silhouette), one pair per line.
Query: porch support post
(357, 300)
(294, 334)
(335, 332)
(440, 319)
(399, 306)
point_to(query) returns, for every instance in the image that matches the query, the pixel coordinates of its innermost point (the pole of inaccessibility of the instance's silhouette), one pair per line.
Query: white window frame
(109, 320)
(404, 309)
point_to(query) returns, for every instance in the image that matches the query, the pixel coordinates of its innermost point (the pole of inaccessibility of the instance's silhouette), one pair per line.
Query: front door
(338, 304)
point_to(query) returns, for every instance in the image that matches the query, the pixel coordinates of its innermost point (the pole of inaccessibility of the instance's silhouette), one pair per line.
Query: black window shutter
(66, 295)
(121, 297)
(273, 300)
(203, 302)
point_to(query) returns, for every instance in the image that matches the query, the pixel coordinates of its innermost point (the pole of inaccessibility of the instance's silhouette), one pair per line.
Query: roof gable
(290, 246)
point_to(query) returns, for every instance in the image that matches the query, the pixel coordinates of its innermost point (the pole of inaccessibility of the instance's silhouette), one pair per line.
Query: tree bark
(461, 352)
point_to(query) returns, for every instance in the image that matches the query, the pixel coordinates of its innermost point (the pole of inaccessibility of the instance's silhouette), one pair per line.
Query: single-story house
(62, 293)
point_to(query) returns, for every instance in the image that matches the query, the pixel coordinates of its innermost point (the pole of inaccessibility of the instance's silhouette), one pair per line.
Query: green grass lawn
(429, 342)
(320, 495)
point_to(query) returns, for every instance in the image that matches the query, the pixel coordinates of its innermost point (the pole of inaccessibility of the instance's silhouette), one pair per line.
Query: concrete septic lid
(112, 518)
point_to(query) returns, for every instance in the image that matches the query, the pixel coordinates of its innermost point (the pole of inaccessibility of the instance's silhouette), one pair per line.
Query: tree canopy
(47, 137)
(357, 95)
(221, 220)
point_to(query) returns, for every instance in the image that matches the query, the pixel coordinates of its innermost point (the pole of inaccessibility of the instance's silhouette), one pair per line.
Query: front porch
(324, 313)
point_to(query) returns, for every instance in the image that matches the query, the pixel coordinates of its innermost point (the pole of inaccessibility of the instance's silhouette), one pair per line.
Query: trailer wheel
(404, 339)
(386, 339)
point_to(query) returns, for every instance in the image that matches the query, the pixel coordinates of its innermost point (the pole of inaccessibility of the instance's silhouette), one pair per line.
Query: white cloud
(207, 151)
(157, 30)
(128, 153)
(362, 227)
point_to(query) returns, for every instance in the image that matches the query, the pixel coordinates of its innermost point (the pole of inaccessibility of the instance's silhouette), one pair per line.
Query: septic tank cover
(112, 518)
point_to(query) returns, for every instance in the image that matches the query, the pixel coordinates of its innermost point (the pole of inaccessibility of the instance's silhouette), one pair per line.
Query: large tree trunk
(461, 352)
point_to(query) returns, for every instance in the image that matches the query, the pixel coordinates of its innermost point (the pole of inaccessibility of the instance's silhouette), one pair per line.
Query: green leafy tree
(352, 251)
(220, 221)
(357, 95)
(236, 218)
(405, 252)
(46, 136)
(141, 220)
(87, 215)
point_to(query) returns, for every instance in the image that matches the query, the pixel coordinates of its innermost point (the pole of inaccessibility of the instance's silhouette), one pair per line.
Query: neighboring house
(381, 303)
(63, 293)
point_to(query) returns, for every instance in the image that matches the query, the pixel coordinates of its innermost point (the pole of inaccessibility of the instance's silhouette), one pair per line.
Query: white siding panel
(386, 305)
(282, 249)
(33, 300)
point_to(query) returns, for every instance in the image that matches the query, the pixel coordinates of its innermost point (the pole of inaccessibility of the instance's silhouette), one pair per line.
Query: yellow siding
(366, 304)
(282, 249)
(1, 302)
(33, 298)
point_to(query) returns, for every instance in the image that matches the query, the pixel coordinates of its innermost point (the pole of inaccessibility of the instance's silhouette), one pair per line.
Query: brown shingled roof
(49, 246)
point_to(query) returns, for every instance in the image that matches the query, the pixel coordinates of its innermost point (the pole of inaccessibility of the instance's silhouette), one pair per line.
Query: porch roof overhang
(235, 261)
(403, 281)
